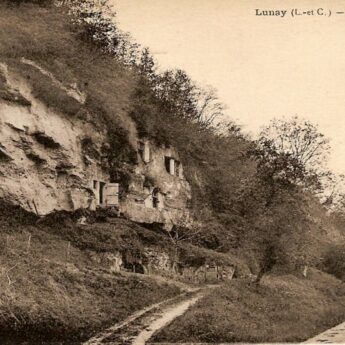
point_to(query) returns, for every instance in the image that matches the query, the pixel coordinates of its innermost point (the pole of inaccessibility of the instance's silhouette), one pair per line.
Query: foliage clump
(334, 261)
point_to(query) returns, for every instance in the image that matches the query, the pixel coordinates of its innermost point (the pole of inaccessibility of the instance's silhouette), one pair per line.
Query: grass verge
(283, 309)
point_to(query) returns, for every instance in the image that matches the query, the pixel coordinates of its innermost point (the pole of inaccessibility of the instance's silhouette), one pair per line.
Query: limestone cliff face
(50, 161)
(158, 191)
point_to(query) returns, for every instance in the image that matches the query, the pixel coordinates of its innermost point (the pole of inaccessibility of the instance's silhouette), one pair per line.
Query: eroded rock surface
(52, 161)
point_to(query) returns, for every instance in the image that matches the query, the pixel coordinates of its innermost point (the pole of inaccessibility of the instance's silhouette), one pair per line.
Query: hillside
(52, 290)
(61, 281)
(112, 193)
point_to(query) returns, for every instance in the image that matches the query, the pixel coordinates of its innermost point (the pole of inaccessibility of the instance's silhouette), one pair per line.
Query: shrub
(334, 261)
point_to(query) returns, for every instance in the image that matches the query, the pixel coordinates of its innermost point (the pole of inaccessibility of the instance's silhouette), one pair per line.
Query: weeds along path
(140, 326)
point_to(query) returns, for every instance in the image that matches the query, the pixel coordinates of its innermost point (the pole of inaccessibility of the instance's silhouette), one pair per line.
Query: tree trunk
(259, 276)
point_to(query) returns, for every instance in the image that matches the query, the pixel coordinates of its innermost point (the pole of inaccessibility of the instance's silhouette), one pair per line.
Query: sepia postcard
(172, 172)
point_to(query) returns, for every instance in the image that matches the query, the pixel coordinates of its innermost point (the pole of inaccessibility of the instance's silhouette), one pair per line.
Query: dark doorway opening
(167, 164)
(155, 197)
(141, 149)
(177, 168)
(101, 193)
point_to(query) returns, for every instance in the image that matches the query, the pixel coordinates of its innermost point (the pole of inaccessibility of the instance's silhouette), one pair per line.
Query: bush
(334, 261)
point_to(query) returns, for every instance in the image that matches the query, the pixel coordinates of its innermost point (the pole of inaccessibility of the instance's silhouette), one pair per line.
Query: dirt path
(140, 326)
(99, 338)
(331, 336)
(128, 330)
(166, 317)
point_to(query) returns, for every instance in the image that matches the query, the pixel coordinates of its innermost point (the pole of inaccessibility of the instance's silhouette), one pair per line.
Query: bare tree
(209, 108)
(183, 232)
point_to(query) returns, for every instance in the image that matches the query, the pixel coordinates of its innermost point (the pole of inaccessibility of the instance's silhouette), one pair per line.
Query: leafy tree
(177, 93)
(98, 26)
(279, 234)
(290, 153)
(300, 142)
(289, 156)
(180, 96)
(147, 68)
(230, 129)
(332, 192)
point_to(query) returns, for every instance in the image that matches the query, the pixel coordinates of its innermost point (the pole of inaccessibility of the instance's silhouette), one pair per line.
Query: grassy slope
(46, 36)
(283, 309)
(45, 294)
(49, 294)
(125, 236)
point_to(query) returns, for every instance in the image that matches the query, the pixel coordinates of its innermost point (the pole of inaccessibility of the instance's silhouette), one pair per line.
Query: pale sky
(262, 66)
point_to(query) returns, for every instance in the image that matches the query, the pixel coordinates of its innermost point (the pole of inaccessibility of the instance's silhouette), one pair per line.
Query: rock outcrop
(52, 161)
